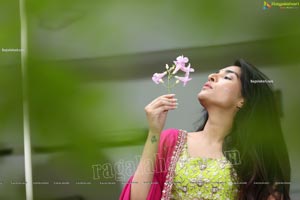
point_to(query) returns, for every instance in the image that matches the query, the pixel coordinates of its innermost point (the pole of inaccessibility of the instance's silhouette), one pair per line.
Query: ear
(240, 103)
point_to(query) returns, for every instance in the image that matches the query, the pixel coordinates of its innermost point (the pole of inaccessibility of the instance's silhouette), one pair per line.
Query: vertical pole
(26, 126)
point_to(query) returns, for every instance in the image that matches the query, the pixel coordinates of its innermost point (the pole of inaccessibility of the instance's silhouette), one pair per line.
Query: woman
(238, 152)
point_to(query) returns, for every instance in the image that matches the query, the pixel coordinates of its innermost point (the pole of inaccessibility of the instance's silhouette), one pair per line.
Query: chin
(205, 99)
(201, 97)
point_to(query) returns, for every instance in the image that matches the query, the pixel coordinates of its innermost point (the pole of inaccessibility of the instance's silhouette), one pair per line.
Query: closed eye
(226, 77)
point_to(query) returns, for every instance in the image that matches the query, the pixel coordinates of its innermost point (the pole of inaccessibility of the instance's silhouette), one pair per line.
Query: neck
(218, 125)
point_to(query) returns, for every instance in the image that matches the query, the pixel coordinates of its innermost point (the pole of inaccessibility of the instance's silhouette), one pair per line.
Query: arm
(144, 174)
(156, 113)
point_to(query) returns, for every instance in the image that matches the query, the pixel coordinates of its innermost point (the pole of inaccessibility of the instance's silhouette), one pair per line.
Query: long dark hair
(264, 167)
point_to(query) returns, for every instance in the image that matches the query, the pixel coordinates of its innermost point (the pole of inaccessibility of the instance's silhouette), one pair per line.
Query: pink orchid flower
(157, 77)
(188, 69)
(186, 78)
(180, 63)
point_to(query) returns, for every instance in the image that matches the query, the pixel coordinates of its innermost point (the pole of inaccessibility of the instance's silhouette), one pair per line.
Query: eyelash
(226, 77)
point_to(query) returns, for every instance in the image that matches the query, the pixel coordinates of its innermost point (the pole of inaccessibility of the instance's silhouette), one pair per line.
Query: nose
(212, 77)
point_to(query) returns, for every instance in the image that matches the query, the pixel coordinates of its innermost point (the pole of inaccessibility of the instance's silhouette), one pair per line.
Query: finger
(166, 108)
(166, 96)
(164, 102)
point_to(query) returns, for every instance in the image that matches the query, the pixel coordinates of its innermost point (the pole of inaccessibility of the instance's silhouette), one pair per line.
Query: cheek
(227, 94)
(230, 93)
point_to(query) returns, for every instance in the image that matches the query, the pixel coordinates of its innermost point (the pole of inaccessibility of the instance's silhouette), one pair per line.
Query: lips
(207, 85)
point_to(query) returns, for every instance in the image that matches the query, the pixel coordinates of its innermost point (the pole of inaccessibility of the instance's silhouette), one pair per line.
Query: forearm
(156, 113)
(144, 174)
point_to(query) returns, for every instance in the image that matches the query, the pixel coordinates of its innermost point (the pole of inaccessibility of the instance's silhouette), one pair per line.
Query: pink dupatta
(170, 146)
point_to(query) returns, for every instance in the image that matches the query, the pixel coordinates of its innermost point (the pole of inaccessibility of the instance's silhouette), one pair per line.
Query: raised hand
(157, 110)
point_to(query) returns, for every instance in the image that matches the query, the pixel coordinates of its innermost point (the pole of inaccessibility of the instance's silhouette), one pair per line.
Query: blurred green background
(89, 71)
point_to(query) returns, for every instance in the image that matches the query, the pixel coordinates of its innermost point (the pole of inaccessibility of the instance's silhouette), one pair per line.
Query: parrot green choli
(203, 178)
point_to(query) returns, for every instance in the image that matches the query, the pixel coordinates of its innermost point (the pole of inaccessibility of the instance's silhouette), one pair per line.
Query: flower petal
(186, 59)
(178, 67)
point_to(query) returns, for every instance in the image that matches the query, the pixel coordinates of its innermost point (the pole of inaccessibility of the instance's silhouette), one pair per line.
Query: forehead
(235, 69)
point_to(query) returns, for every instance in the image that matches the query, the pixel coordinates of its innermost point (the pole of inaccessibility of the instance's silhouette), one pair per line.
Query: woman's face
(223, 89)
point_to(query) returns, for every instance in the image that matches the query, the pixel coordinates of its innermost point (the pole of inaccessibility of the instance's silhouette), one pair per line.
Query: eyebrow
(230, 71)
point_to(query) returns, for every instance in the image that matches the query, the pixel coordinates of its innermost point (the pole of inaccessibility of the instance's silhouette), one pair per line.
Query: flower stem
(169, 77)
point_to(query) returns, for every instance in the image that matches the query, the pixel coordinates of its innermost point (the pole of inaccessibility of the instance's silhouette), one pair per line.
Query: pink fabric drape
(166, 147)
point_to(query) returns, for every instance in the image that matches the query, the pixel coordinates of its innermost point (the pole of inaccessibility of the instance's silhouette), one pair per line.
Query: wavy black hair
(257, 136)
